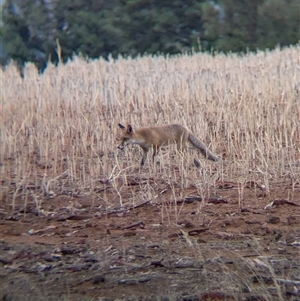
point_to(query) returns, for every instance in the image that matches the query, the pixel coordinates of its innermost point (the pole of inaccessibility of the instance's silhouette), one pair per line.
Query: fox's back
(158, 135)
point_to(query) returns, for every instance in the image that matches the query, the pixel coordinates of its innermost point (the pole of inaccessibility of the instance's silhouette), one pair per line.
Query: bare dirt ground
(221, 247)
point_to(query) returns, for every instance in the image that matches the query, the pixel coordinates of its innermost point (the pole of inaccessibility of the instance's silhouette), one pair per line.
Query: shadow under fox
(157, 136)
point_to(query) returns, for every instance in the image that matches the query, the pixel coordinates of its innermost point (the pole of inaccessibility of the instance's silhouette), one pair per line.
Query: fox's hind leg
(155, 152)
(182, 144)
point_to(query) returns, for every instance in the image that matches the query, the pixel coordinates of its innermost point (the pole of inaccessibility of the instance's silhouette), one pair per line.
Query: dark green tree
(97, 28)
(28, 31)
(159, 26)
(250, 24)
(279, 23)
(87, 27)
(15, 33)
(232, 25)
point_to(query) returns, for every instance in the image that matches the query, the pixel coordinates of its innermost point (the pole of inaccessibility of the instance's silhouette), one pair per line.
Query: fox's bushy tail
(203, 148)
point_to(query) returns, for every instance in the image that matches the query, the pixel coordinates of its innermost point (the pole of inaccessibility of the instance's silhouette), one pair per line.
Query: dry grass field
(81, 220)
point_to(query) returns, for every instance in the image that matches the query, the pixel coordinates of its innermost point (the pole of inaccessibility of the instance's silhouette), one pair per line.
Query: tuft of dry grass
(59, 128)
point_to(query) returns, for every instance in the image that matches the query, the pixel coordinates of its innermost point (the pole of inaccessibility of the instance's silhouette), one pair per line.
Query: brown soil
(75, 248)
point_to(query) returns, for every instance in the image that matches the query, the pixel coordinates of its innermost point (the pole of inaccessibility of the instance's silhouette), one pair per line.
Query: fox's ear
(129, 129)
(122, 126)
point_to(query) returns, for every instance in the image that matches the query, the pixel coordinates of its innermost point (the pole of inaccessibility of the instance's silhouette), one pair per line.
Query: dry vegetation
(59, 137)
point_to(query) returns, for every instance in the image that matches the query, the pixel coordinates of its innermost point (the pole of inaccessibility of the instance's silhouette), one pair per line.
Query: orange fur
(157, 136)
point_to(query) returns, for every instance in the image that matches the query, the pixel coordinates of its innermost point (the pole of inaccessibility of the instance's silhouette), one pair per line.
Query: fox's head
(127, 136)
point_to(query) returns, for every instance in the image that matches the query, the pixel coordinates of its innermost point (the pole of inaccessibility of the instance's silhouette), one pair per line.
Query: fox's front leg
(145, 150)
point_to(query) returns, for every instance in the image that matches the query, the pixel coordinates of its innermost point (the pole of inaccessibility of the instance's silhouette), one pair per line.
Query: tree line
(92, 28)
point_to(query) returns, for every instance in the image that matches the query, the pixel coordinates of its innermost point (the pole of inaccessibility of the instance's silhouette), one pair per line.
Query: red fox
(157, 136)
